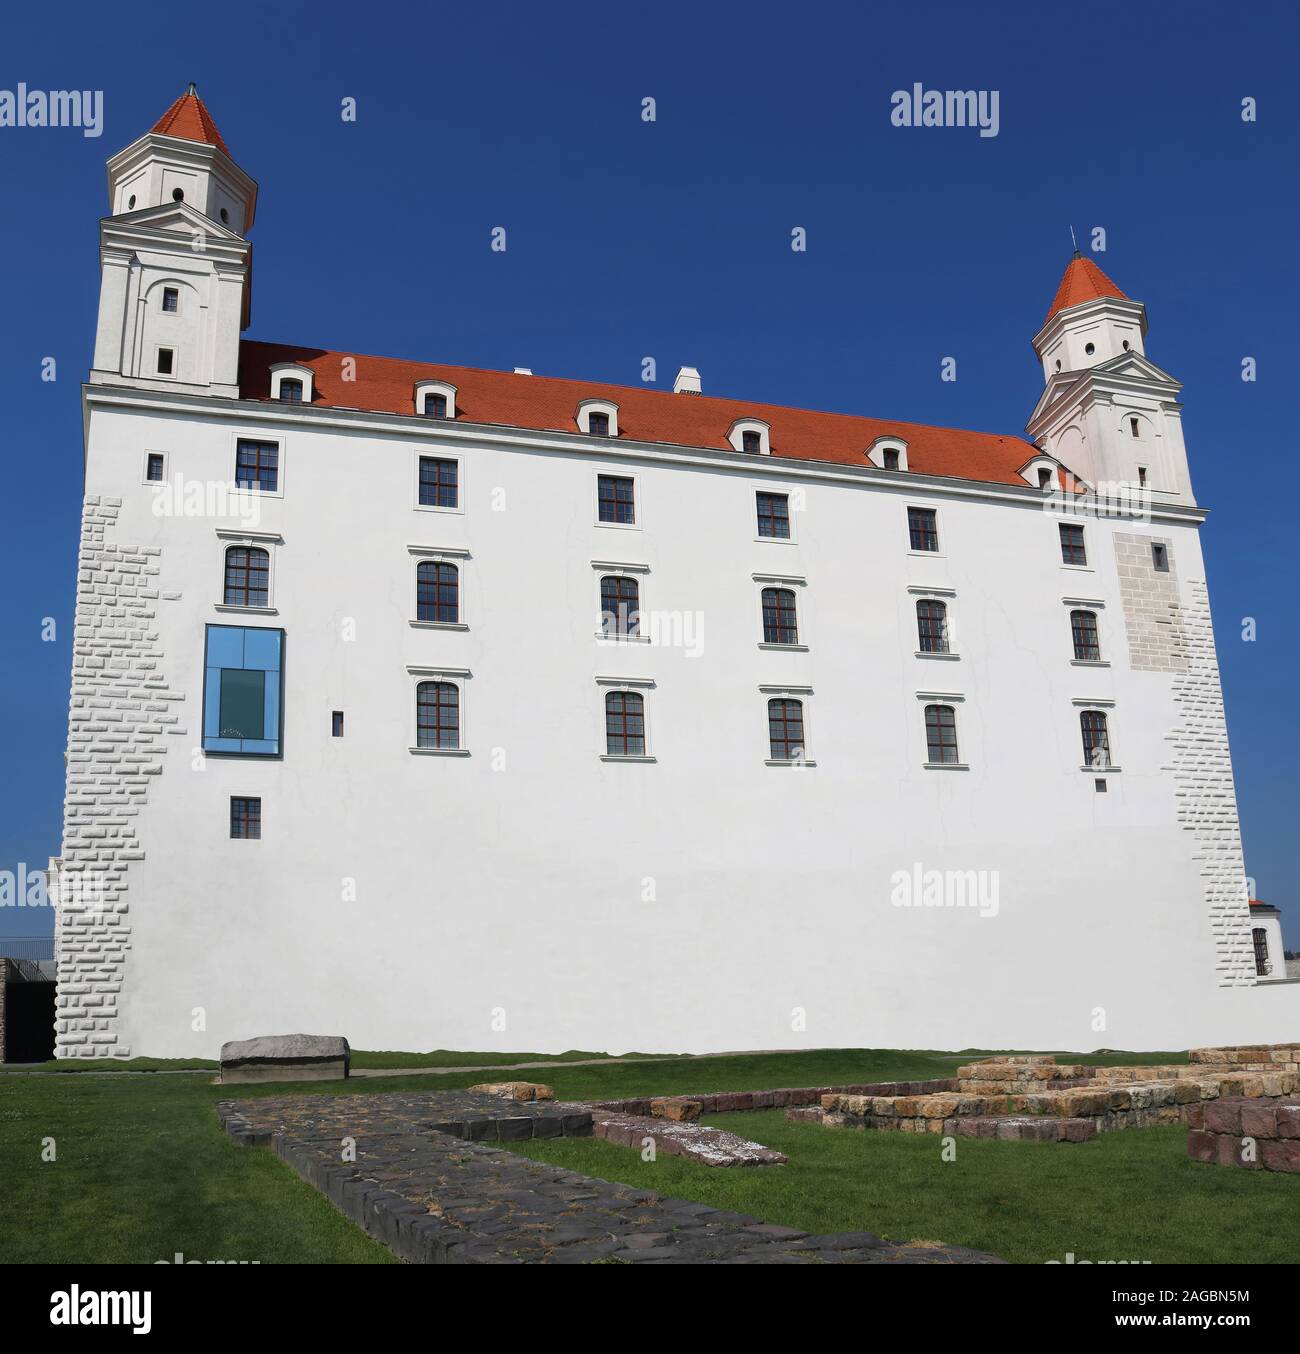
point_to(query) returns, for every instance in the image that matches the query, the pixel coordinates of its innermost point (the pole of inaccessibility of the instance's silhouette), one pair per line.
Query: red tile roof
(1083, 281)
(190, 120)
(549, 403)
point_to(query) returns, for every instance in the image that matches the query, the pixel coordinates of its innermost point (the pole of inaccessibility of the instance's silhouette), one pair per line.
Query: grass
(368, 1058)
(142, 1171)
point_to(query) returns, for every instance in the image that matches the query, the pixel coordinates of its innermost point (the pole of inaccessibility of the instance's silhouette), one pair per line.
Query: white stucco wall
(699, 902)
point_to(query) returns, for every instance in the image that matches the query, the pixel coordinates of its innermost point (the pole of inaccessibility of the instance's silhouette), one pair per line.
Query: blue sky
(671, 239)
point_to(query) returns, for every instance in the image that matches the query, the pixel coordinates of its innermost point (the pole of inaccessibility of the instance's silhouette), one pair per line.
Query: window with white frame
(598, 418)
(888, 453)
(247, 570)
(438, 710)
(786, 709)
(291, 383)
(624, 716)
(750, 435)
(435, 399)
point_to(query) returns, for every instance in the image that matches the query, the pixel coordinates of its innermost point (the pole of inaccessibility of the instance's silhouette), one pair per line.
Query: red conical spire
(1083, 281)
(190, 120)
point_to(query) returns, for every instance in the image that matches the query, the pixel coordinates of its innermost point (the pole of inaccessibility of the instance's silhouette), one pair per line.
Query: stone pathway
(417, 1173)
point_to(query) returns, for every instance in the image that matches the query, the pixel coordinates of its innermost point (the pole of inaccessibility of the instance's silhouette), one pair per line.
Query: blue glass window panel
(241, 704)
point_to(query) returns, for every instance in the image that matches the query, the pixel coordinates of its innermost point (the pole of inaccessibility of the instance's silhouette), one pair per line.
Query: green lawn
(142, 1171)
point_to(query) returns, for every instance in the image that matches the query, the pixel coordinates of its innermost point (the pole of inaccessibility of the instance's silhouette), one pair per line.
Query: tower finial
(1073, 241)
(192, 89)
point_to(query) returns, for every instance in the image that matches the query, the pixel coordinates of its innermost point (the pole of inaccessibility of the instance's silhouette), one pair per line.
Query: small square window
(336, 724)
(923, 528)
(153, 467)
(773, 515)
(246, 819)
(171, 300)
(165, 356)
(616, 499)
(1100, 785)
(257, 465)
(439, 482)
(1160, 558)
(598, 424)
(1073, 550)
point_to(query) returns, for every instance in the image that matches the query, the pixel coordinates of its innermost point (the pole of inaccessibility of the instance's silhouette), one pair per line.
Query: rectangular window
(154, 467)
(171, 300)
(1087, 645)
(437, 716)
(437, 593)
(1260, 938)
(165, 356)
(785, 729)
(751, 442)
(336, 724)
(1160, 558)
(780, 623)
(242, 690)
(773, 515)
(890, 459)
(257, 465)
(616, 499)
(1072, 547)
(624, 724)
(439, 482)
(1096, 738)
(598, 424)
(923, 528)
(940, 734)
(246, 819)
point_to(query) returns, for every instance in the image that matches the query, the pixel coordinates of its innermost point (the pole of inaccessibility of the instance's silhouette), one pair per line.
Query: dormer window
(1043, 473)
(1044, 477)
(750, 435)
(888, 453)
(435, 399)
(291, 383)
(598, 418)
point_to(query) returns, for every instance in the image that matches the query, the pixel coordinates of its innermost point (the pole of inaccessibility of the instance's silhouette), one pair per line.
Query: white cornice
(412, 429)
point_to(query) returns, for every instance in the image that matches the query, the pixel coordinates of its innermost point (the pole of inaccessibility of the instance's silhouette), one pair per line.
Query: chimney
(687, 382)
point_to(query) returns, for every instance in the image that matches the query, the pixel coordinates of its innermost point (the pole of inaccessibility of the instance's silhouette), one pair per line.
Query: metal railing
(26, 947)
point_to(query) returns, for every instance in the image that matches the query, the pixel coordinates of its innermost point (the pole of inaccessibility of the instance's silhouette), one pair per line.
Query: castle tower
(174, 289)
(1107, 411)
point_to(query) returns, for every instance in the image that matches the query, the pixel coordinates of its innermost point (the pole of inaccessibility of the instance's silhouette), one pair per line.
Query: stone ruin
(1033, 1098)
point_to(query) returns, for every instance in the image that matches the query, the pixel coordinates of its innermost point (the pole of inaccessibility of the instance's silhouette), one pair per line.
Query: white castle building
(442, 707)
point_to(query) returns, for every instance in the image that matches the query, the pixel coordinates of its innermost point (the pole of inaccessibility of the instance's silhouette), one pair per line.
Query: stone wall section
(1153, 620)
(1206, 796)
(121, 711)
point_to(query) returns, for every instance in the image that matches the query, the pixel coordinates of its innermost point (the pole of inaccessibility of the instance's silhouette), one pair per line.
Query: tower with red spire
(174, 291)
(1108, 412)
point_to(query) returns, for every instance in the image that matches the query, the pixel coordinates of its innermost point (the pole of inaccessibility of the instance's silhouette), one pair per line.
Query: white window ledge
(948, 655)
(613, 757)
(246, 610)
(621, 639)
(1101, 770)
(789, 761)
(789, 648)
(440, 752)
(439, 625)
(947, 766)
(1090, 662)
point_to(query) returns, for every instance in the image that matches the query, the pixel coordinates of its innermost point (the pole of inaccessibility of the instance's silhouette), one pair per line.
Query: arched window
(624, 724)
(751, 441)
(291, 390)
(437, 715)
(785, 729)
(932, 625)
(1096, 738)
(620, 605)
(437, 592)
(248, 576)
(1087, 645)
(940, 734)
(598, 424)
(435, 405)
(889, 457)
(780, 623)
